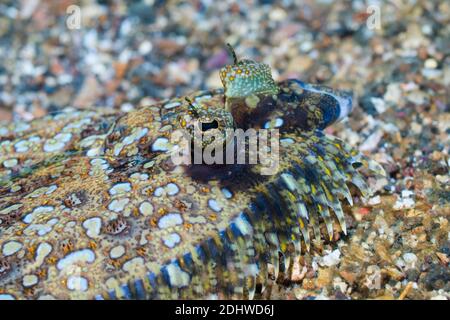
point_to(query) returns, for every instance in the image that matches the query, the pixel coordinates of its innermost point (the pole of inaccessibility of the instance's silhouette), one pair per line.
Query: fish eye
(205, 126)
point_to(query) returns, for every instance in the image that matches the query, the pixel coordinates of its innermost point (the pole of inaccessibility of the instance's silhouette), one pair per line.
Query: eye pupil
(209, 125)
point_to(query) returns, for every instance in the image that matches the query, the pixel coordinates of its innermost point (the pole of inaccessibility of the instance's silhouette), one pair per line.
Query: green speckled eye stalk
(247, 77)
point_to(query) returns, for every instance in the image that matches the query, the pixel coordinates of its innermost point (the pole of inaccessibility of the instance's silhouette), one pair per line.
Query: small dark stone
(445, 248)
(394, 28)
(366, 104)
(340, 296)
(412, 274)
(146, 13)
(438, 277)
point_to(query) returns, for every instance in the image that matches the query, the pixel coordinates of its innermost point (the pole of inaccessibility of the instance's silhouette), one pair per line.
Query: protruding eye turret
(247, 77)
(208, 126)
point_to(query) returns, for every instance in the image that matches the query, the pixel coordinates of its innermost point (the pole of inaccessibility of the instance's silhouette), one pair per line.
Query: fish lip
(346, 104)
(344, 97)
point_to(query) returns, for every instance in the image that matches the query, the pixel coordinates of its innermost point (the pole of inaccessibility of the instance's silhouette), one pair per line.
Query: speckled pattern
(92, 206)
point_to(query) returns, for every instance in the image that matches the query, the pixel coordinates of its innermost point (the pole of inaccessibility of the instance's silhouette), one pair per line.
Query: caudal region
(96, 204)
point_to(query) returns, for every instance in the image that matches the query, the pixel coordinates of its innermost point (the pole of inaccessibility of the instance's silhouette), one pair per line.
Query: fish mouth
(335, 112)
(346, 104)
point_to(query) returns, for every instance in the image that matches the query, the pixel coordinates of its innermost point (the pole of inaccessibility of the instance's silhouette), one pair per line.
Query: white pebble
(331, 259)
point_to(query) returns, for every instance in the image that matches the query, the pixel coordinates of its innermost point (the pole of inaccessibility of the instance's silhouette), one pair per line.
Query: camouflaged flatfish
(92, 204)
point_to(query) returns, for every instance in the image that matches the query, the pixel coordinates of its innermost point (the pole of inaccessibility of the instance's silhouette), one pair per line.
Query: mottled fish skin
(26, 145)
(92, 206)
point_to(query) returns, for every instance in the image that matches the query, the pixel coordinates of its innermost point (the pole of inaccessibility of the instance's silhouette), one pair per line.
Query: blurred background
(125, 51)
(394, 55)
